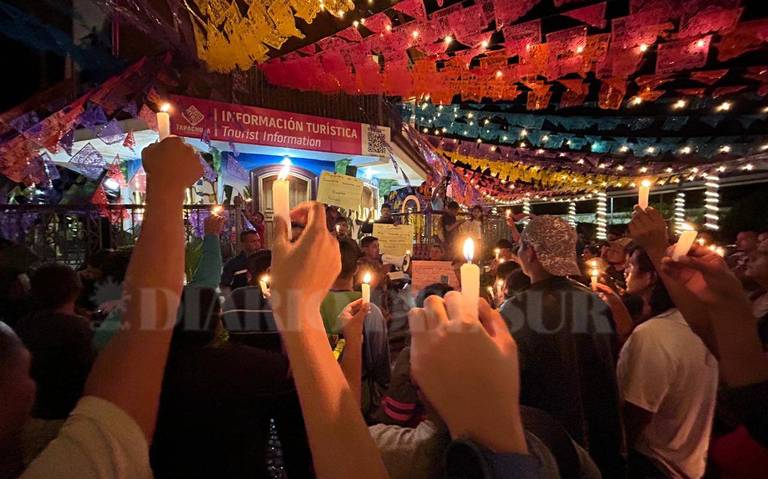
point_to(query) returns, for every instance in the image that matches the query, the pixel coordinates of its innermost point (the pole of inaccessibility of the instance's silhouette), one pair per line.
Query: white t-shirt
(665, 369)
(98, 441)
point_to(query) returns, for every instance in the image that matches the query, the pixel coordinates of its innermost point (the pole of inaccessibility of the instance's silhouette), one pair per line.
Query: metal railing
(68, 234)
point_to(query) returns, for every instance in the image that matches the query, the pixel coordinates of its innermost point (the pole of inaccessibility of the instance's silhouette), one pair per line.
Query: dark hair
(506, 268)
(340, 220)
(386, 205)
(350, 253)
(54, 285)
(434, 289)
(660, 300)
(504, 244)
(260, 214)
(452, 205)
(365, 242)
(258, 263)
(516, 282)
(244, 234)
(116, 265)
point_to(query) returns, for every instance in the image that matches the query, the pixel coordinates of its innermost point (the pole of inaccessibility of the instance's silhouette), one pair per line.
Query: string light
(545, 138)
(580, 49)
(526, 210)
(524, 132)
(602, 230)
(620, 168)
(643, 47)
(679, 104)
(685, 150)
(711, 202)
(448, 40)
(636, 100)
(721, 169)
(415, 34)
(356, 24)
(748, 167)
(624, 148)
(724, 106)
(572, 214)
(484, 44)
(644, 169)
(725, 149)
(680, 225)
(499, 74)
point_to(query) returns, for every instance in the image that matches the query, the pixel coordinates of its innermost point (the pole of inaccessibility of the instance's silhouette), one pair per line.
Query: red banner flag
(412, 8)
(593, 15)
(682, 55)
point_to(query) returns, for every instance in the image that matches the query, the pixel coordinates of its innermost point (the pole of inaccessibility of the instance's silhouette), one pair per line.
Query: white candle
(594, 274)
(264, 285)
(497, 251)
(499, 289)
(366, 287)
(281, 196)
(687, 238)
(470, 279)
(164, 121)
(643, 193)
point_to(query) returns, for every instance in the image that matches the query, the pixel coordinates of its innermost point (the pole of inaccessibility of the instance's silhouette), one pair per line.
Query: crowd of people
(274, 365)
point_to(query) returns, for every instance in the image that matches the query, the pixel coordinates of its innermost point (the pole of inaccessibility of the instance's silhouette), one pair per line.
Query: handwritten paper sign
(340, 190)
(394, 240)
(425, 273)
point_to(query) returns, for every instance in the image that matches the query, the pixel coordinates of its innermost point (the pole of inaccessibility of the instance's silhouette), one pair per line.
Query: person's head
(477, 212)
(258, 217)
(436, 252)
(386, 210)
(55, 286)
(643, 280)
(250, 241)
(452, 208)
(505, 248)
(590, 252)
(515, 283)
(616, 252)
(434, 289)
(746, 241)
(17, 388)
(548, 248)
(93, 267)
(341, 228)
(757, 267)
(370, 247)
(350, 253)
(257, 265)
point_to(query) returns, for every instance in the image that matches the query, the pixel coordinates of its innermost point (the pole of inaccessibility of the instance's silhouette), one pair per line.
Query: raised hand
(649, 230)
(352, 318)
(303, 271)
(468, 369)
(171, 164)
(705, 275)
(213, 224)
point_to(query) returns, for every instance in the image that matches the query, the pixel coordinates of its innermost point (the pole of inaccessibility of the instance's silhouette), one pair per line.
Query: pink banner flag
(518, 38)
(507, 12)
(711, 19)
(709, 77)
(412, 8)
(350, 33)
(593, 15)
(682, 55)
(378, 23)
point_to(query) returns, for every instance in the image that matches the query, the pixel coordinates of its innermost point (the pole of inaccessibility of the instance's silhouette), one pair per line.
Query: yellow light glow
(367, 278)
(469, 249)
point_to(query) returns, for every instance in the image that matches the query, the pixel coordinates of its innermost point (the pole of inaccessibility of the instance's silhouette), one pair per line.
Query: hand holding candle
(164, 121)
(470, 279)
(366, 287)
(643, 194)
(683, 245)
(264, 285)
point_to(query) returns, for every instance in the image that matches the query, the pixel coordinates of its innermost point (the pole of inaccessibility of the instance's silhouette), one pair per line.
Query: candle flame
(497, 251)
(165, 107)
(595, 273)
(687, 227)
(367, 278)
(217, 209)
(645, 183)
(500, 282)
(284, 172)
(407, 252)
(264, 279)
(469, 249)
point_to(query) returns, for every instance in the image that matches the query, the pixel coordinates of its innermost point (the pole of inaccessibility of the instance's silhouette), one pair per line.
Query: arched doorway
(303, 187)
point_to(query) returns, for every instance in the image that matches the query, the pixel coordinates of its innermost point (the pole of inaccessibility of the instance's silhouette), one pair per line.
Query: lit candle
(366, 287)
(470, 279)
(164, 121)
(720, 251)
(264, 285)
(644, 192)
(499, 288)
(281, 196)
(687, 238)
(497, 252)
(216, 210)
